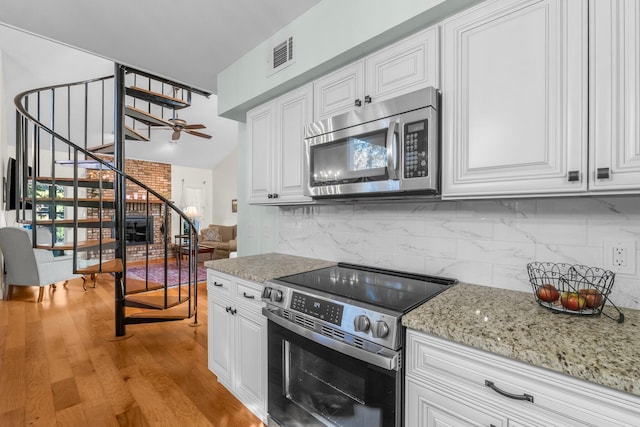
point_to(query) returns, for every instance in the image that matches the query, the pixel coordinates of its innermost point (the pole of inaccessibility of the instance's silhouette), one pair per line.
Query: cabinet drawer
(220, 285)
(432, 359)
(249, 293)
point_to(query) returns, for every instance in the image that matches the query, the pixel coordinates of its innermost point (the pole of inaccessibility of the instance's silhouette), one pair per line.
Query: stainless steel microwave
(386, 149)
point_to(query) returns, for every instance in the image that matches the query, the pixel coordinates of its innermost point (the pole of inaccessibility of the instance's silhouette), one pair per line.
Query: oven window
(313, 385)
(350, 160)
(320, 387)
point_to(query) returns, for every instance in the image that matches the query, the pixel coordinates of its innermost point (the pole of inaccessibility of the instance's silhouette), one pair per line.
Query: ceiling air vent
(281, 56)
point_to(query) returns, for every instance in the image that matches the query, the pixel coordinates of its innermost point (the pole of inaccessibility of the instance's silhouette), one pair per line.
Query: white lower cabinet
(237, 340)
(453, 385)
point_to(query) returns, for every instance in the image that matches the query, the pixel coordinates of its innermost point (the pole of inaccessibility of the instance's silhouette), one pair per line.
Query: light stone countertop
(513, 324)
(259, 268)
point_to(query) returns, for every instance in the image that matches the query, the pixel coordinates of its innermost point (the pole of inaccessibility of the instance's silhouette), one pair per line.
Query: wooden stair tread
(155, 299)
(156, 98)
(82, 182)
(146, 118)
(103, 149)
(69, 222)
(132, 134)
(83, 244)
(108, 266)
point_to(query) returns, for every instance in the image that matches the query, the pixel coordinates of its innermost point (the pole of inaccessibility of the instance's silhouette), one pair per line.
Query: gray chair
(26, 266)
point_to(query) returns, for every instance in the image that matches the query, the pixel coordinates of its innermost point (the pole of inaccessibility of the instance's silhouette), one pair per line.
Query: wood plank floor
(60, 365)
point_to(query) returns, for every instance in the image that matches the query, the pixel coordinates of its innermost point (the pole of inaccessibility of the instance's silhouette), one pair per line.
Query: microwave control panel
(415, 150)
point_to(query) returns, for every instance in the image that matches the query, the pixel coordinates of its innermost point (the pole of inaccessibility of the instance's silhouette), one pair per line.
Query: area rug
(156, 273)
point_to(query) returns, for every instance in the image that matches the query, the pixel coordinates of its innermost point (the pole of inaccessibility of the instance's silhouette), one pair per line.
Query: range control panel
(318, 308)
(415, 150)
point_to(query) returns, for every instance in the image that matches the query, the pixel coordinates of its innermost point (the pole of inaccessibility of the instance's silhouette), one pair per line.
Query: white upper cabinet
(402, 67)
(614, 85)
(275, 135)
(514, 87)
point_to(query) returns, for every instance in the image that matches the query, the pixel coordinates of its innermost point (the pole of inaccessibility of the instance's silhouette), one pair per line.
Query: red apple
(593, 297)
(573, 301)
(548, 293)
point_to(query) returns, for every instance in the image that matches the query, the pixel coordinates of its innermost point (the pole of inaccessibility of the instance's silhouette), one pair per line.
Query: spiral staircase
(72, 188)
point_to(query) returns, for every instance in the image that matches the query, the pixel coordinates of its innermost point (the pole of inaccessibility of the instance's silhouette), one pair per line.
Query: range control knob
(266, 292)
(361, 323)
(277, 295)
(380, 329)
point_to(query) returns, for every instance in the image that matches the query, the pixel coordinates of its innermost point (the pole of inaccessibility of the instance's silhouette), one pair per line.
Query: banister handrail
(18, 103)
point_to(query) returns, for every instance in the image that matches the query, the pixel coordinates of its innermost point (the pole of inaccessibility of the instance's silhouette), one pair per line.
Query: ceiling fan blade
(200, 134)
(195, 126)
(175, 135)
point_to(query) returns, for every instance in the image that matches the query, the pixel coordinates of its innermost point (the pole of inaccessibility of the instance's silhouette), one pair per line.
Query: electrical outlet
(620, 256)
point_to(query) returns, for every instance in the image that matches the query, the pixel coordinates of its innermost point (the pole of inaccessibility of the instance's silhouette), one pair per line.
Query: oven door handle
(386, 358)
(392, 149)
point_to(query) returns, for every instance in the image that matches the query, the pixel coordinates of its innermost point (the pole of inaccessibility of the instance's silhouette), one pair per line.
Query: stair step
(108, 266)
(107, 203)
(85, 164)
(84, 244)
(144, 117)
(82, 182)
(134, 135)
(157, 98)
(154, 300)
(83, 222)
(103, 149)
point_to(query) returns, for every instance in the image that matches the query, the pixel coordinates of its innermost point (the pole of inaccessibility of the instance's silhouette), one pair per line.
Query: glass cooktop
(390, 289)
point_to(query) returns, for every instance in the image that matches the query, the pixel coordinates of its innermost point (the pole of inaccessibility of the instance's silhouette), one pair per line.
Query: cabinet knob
(367, 99)
(358, 102)
(603, 173)
(275, 195)
(233, 311)
(269, 196)
(573, 176)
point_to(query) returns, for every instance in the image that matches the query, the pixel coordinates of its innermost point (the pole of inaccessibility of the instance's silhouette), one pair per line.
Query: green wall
(329, 35)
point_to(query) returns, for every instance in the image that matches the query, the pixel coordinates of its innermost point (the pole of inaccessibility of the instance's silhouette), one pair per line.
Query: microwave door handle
(392, 150)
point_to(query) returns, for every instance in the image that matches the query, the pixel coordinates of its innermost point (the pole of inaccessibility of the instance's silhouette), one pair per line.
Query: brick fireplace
(158, 177)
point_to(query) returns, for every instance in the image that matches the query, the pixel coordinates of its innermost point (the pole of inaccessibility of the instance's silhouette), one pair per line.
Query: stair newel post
(120, 195)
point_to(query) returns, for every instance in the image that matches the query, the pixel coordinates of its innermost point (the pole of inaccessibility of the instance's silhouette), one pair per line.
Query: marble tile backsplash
(485, 242)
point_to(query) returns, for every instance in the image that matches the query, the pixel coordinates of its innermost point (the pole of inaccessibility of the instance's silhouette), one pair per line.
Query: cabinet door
(515, 99)
(251, 358)
(403, 67)
(426, 407)
(294, 112)
(614, 65)
(260, 138)
(220, 336)
(339, 91)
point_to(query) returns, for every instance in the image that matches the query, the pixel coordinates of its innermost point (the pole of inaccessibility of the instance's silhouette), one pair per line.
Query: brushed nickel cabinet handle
(493, 387)
(573, 176)
(603, 173)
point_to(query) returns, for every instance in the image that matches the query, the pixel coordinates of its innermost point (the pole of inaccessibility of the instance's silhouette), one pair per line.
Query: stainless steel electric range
(336, 344)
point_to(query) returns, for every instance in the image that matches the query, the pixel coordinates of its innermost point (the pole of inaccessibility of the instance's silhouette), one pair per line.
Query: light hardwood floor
(60, 365)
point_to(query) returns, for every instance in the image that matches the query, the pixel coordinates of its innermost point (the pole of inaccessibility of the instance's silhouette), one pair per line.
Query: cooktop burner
(390, 289)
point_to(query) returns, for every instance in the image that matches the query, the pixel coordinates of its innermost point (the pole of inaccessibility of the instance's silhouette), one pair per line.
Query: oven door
(356, 160)
(313, 385)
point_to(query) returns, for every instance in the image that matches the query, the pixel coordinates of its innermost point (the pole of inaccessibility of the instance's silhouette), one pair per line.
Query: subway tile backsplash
(486, 242)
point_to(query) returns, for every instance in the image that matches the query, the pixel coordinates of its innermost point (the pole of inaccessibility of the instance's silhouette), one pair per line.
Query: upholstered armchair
(26, 266)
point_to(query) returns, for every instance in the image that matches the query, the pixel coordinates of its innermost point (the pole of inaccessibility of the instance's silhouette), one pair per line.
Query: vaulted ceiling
(189, 41)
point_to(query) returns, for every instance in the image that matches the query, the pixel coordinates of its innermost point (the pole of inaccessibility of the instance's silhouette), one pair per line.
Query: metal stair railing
(37, 140)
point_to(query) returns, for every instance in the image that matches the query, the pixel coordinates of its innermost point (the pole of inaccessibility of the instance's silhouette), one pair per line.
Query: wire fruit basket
(572, 289)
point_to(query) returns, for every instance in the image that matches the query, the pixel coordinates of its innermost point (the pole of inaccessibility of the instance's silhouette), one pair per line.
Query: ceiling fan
(178, 125)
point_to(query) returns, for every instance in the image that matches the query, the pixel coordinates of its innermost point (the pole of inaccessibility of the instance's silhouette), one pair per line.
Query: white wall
(225, 188)
(185, 178)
